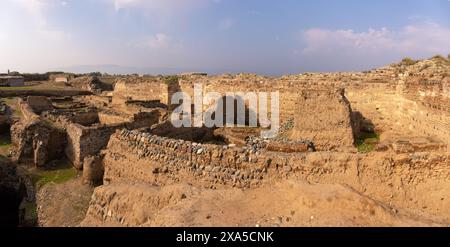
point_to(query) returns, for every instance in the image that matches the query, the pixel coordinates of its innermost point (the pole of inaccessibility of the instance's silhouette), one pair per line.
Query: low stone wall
(403, 180)
(133, 156)
(85, 141)
(148, 155)
(26, 110)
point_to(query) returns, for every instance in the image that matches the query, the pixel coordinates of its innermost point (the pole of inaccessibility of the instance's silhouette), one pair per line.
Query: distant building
(11, 81)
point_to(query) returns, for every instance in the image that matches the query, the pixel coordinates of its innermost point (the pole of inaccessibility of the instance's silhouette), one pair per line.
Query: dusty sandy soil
(63, 205)
(289, 203)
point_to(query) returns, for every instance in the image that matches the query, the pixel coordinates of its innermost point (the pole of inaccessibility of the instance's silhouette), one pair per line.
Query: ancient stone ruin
(382, 135)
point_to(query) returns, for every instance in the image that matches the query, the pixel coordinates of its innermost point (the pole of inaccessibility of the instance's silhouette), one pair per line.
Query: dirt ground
(285, 204)
(63, 205)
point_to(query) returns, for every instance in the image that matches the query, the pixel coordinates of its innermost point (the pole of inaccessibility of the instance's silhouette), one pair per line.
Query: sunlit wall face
(215, 36)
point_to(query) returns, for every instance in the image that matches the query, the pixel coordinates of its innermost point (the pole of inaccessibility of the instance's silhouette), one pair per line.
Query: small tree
(173, 79)
(438, 57)
(408, 61)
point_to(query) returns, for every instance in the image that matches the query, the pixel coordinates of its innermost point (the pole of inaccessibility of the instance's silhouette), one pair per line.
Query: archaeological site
(353, 149)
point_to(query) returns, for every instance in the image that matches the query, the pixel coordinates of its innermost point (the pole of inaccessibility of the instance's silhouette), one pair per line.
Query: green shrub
(366, 142)
(441, 60)
(59, 175)
(438, 57)
(172, 79)
(31, 215)
(5, 143)
(408, 61)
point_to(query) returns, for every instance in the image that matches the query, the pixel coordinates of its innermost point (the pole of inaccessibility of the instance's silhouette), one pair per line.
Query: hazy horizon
(218, 36)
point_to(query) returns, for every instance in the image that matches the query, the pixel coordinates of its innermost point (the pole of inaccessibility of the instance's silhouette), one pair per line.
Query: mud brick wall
(27, 112)
(132, 156)
(83, 118)
(85, 141)
(37, 142)
(324, 117)
(137, 89)
(112, 117)
(39, 103)
(141, 157)
(287, 90)
(410, 102)
(427, 106)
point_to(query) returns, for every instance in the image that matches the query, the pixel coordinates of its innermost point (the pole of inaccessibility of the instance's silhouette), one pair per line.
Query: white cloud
(226, 23)
(157, 5)
(426, 38)
(36, 9)
(158, 41)
(254, 12)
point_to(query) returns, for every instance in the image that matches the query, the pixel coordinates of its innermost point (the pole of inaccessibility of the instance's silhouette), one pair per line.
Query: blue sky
(258, 36)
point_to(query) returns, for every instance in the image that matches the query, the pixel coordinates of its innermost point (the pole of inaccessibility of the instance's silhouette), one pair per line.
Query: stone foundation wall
(405, 180)
(86, 141)
(140, 157)
(27, 111)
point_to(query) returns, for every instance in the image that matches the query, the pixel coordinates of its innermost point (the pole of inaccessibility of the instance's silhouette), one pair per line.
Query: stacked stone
(227, 165)
(287, 126)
